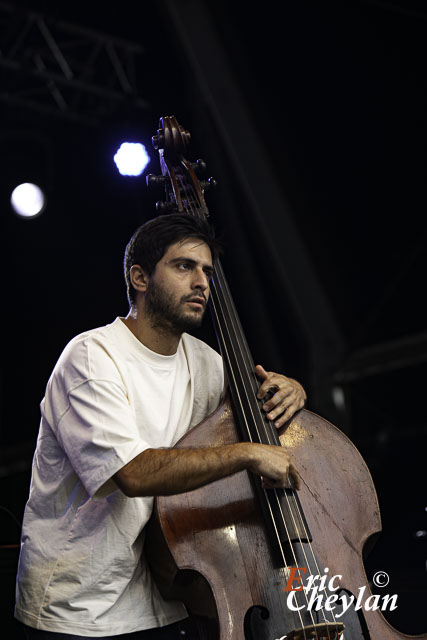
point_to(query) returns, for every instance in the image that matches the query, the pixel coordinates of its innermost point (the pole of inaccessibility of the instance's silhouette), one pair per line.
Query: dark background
(312, 118)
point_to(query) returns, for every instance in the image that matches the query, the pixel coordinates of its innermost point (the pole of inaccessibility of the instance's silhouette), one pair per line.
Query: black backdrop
(337, 94)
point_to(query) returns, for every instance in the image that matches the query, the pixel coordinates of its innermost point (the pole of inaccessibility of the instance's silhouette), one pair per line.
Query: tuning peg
(200, 166)
(155, 181)
(206, 184)
(158, 140)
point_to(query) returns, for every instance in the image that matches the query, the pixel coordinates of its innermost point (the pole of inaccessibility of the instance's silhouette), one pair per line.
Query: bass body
(209, 547)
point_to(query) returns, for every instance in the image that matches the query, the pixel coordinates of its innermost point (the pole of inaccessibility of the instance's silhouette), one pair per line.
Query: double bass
(252, 563)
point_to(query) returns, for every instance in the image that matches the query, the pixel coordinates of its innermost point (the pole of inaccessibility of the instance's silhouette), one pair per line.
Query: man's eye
(183, 266)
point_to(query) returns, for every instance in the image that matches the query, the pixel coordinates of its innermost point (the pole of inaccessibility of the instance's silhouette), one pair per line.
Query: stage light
(338, 397)
(28, 200)
(131, 158)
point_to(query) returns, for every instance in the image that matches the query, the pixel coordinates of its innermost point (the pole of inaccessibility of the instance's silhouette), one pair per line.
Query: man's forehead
(194, 246)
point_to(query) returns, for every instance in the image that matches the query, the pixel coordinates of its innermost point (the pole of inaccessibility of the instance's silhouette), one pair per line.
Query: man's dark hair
(151, 240)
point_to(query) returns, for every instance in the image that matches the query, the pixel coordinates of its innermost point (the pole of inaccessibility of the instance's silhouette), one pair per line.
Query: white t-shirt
(109, 398)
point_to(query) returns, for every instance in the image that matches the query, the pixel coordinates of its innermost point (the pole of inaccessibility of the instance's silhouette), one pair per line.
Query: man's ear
(138, 278)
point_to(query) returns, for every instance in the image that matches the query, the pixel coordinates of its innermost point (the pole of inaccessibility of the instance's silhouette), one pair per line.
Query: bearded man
(118, 399)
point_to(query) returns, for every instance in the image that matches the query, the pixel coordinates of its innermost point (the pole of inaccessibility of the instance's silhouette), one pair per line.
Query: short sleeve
(98, 432)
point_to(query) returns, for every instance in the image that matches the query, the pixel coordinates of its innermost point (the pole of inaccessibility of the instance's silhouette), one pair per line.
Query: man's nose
(200, 280)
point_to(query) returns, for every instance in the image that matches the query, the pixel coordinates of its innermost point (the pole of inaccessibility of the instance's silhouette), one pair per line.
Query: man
(118, 399)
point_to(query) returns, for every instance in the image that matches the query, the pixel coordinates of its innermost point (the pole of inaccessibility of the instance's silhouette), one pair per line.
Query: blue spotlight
(131, 158)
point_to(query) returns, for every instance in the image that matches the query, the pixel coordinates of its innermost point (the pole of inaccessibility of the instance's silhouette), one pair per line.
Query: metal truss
(58, 68)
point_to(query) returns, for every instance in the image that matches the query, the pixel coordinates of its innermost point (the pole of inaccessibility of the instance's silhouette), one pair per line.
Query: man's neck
(159, 340)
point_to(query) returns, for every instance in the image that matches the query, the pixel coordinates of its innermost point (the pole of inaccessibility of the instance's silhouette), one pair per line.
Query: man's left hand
(288, 398)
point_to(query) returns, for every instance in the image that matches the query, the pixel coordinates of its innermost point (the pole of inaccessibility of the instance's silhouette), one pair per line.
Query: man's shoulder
(103, 333)
(78, 360)
(81, 341)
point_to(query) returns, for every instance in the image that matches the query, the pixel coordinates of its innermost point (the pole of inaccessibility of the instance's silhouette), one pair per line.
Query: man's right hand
(274, 465)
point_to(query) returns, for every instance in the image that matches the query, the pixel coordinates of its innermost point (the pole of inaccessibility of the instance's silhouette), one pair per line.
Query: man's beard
(167, 314)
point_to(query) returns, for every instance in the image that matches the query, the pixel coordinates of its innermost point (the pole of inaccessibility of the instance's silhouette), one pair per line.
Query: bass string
(271, 514)
(243, 351)
(278, 492)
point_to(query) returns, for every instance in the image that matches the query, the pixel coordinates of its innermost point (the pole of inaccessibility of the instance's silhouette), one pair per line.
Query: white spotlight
(131, 158)
(27, 200)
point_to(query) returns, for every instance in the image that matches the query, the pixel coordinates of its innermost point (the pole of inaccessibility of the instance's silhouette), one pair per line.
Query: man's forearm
(156, 472)
(170, 471)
